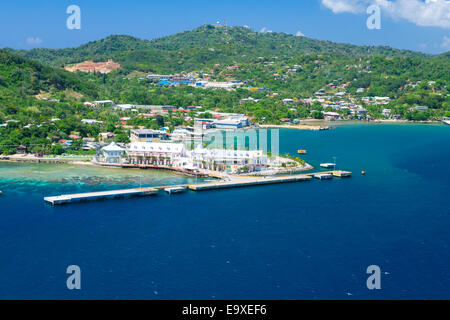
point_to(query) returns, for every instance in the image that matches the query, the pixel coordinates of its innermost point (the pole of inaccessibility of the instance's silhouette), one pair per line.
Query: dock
(176, 189)
(248, 181)
(100, 195)
(323, 176)
(229, 182)
(341, 173)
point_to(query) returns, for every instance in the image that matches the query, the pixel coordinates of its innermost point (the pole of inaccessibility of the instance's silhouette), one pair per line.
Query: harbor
(226, 182)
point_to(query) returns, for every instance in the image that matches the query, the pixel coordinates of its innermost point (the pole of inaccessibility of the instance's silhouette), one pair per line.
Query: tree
(317, 115)
(122, 138)
(160, 120)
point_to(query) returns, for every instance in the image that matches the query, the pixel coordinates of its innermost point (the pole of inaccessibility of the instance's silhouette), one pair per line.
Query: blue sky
(31, 23)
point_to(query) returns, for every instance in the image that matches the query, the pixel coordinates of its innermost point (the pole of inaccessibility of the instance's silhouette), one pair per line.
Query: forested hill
(98, 50)
(21, 79)
(202, 46)
(269, 43)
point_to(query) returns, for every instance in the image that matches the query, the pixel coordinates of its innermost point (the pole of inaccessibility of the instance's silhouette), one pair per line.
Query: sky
(419, 25)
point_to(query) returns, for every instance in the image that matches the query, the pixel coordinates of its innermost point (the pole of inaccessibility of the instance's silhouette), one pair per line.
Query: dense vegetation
(193, 50)
(289, 66)
(21, 79)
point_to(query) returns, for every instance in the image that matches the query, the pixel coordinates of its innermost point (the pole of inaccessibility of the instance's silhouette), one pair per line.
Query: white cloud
(445, 43)
(341, 6)
(263, 30)
(299, 34)
(425, 13)
(33, 41)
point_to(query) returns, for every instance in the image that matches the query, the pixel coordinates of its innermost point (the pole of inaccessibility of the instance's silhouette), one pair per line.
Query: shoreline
(320, 124)
(204, 174)
(297, 127)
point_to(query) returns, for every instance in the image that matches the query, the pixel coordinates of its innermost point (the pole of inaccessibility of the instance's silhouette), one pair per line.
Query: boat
(171, 190)
(446, 121)
(301, 151)
(328, 165)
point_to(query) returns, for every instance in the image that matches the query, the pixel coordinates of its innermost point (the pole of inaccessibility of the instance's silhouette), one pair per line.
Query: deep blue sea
(307, 240)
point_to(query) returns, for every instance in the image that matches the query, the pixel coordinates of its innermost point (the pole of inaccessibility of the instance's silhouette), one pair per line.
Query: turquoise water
(311, 240)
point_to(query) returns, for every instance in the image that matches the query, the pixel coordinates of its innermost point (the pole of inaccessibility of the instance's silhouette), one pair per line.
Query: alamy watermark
(264, 140)
(74, 20)
(74, 280)
(374, 280)
(374, 20)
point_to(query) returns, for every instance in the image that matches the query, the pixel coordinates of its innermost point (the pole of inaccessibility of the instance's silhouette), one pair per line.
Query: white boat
(447, 121)
(328, 165)
(175, 189)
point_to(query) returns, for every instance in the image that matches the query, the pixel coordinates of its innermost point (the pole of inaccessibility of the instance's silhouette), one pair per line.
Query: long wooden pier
(231, 182)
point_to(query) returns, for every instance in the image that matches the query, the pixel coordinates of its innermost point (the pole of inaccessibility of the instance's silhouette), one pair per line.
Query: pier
(225, 182)
(247, 181)
(100, 195)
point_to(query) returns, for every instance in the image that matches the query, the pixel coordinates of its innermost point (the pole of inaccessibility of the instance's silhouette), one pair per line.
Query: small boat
(301, 151)
(171, 190)
(328, 165)
(363, 172)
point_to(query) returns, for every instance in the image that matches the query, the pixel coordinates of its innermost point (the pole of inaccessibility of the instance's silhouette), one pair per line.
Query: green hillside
(21, 79)
(97, 50)
(200, 47)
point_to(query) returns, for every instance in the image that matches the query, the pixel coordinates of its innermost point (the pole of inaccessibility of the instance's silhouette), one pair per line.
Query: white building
(156, 153)
(331, 116)
(228, 124)
(386, 112)
(229, 160)
(112, 153)
(90, 121)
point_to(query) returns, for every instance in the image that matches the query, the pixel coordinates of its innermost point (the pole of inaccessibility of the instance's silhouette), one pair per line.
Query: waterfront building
(331, 116)
(229, 160)
(112, 153)
(147, 135)
(21, 150)
(386, 112)
(156, 153)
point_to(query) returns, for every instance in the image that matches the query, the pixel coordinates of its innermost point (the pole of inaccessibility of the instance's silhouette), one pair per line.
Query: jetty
(323, 176)
(100, 195)
(224, 183)
(236, 182)
(176, 189)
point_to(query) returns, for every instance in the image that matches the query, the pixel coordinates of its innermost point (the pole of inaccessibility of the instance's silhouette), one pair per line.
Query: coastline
(204, 173)
(297, 127)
